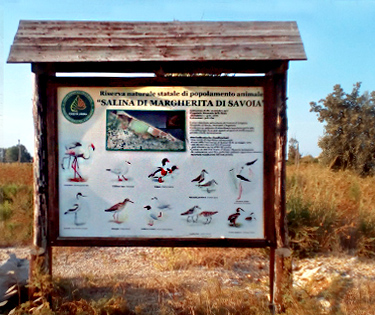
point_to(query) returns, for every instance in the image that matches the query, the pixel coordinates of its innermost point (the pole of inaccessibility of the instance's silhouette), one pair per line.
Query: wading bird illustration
(117, 208)
(75, 151)
(120, 170)
(243, 175)
(200, 178)
(75, 209)
(190, 214)
(233, 217)
(209, 186)
(153, 216)
(208, 215)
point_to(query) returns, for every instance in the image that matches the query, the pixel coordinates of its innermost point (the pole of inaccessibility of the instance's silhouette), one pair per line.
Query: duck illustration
(233, 217)
(251, 217)
(153, 216)
(208, 215)
(162, 169)
(200, 177)
(120, 170)
(161, 204)
(190, 214)
(117, 208)
(172, 169)
(75, 209)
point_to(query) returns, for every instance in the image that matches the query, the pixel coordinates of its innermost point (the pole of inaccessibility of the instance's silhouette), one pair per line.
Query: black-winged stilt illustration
(120, 170)
(76, 151)
(191, 217)
(77, 206)
(242, 176)
(117, 208)
(233, 217)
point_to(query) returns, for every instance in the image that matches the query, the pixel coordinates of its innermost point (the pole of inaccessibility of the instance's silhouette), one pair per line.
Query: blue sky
(338, 36)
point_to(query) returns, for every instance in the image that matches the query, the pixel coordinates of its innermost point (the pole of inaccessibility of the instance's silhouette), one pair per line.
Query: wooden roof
(88, 41)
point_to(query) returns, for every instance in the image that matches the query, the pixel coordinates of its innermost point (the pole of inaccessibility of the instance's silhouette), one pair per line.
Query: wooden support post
(283, 270)
(40, 263)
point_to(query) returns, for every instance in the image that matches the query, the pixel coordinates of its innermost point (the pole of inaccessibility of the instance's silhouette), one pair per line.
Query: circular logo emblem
(77, 107)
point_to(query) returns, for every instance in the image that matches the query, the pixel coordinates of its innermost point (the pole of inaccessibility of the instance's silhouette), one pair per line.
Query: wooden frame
(270, 112)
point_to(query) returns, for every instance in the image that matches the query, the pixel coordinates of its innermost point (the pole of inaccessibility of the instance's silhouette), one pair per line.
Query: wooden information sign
(174, 160)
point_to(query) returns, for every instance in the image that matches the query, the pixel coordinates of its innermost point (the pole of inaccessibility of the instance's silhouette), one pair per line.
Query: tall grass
(16, 204)
(330, 211)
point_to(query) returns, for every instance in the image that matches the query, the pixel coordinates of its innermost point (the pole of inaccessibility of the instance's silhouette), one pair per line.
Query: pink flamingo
(75, 151)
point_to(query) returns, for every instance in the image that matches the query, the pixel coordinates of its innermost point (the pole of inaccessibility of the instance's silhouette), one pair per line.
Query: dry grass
(330, 210)
(16, 203)
(16, 173)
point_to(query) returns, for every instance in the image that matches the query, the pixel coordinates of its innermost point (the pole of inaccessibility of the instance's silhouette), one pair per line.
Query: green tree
(293, 151)
(349, 134)
(12, 153)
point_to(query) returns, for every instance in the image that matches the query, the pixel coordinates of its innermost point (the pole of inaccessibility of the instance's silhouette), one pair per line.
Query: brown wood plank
(167, 40)
(152, 53)
(142, 27)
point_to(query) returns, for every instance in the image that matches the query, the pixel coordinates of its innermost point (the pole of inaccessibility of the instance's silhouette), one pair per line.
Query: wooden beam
(283, 271)
(40, 262)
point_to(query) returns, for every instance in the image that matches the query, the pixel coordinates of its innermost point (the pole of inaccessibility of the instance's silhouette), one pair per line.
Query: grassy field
(16, 204)
(328, 213)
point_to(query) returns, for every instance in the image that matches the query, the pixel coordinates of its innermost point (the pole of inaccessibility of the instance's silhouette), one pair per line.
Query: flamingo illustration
(75, 151)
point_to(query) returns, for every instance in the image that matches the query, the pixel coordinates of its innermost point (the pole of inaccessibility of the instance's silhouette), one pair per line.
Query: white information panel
(172, 162)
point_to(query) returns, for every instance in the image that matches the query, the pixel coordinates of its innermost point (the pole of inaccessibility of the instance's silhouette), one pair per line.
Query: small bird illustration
(153, 216)
(200, 177)
(117, 208)
(251, 217)
(161, 204)
(76, 208)
(209, 186)
(208, 215)
(233, 217)
(190, 214)
(120, 170)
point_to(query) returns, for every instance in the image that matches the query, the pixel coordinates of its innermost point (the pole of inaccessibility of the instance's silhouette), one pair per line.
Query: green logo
(77, 107)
